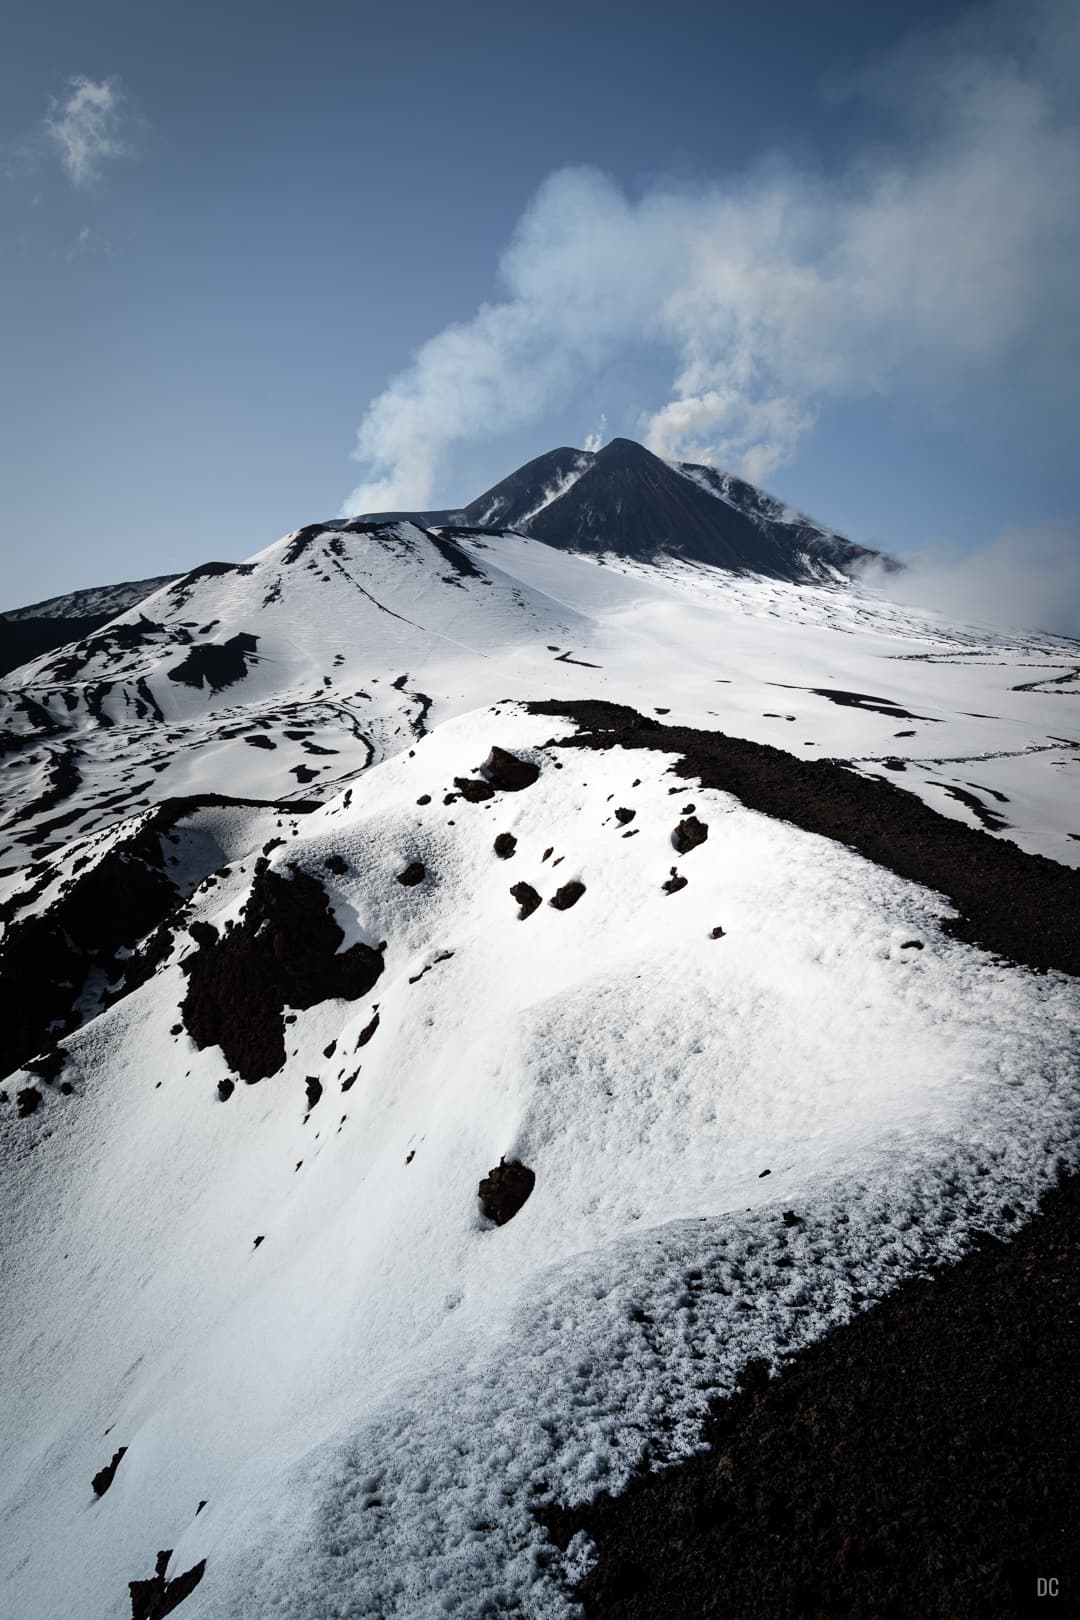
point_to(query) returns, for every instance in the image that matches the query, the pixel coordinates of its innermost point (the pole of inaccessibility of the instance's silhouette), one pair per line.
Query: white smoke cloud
(595, 441)
(926, 267)
(85, 128)
(1025, 579)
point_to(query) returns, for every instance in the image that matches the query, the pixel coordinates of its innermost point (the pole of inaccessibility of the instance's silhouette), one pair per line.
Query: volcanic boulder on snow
(284, 953)
(504, 1189)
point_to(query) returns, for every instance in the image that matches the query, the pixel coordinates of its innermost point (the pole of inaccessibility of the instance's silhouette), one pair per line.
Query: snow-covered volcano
(467, 993)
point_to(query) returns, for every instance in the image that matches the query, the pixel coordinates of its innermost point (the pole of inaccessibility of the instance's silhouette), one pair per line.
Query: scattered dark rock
(176, 1029)
(284, 953)
(28, 1101)
(527, 899)
(336, 864)
(155, 1598)
(314, 1091)
(425, 798)
(472, 790)
(102, 1480)
(47, 1067)
(508, 773)
(674, 882)
(505, 845)
(790, 1218)
(346, 1085)
(548, 852)
(912, 945)
(689, 834)
(413, 874)
(219, 665)
(328, 1051)
(623, 815)
(260, 1239)
(567, 896)
(763, 1173)
(504, 1189)
(368, 1031)
(410, 1156)
(225, 1089)
(1023, 907)
(66, 1088)
(716, 933)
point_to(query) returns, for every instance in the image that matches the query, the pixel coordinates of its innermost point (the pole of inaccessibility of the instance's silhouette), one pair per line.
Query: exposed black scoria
(153, 1599)
(284, 953)
(504, 1189)
(527, 899)
(689, 834)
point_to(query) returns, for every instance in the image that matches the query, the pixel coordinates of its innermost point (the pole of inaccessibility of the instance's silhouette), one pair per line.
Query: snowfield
(753, 1103)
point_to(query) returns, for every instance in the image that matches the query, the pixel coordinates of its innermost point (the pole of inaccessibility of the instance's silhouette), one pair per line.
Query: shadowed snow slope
(283, 1298)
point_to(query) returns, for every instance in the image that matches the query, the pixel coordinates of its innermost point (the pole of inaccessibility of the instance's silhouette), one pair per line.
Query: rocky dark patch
(623, 816)
(918, 1462)
(505, 845)
(451, 552)
(413, 874)
(105, 1476)
(217, 664)
(527, 898)
(48, 1067)
(336, 864)
(689, 834)
(472, 790)
(991, 819)
(314, 1090)
(425, 798)
(716, 933)
(367, 1032)
(567, 896)
(225, 1089)
(284, 953)
(674, 883)
(1023, 907)
(27, 1101)
(505, 1189)
(153, 1599)
(508, 773)
(260, 742)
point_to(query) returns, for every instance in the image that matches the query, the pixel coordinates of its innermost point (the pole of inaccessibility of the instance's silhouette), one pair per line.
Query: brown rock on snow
(504, 1189)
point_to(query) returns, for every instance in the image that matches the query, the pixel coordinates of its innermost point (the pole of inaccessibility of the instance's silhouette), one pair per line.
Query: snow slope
(752, 1103)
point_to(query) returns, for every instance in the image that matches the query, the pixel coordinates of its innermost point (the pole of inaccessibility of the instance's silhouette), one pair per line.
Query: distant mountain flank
(27, 632)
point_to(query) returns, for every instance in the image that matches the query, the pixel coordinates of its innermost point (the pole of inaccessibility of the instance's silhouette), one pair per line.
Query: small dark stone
(689, 834)
(527, 898)
(410, 1156)
(101, 1481)
(336, 863)
(764, 1173)
(313, 1088)
(791, 1219)
(328, 1051)
(674, 882)
(472, 790)
(367, 1032)
(28, 1101)
(67, 1088)
(716, 933)
(176, 1029)
(505, 845)
(260, 1239)
(413, 874)
(425, 798)
(504, 1189)
(912, 945)
(225, 1089)
(624, 815)
(567, 896)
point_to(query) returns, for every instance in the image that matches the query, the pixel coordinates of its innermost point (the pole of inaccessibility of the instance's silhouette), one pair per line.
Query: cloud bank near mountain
(929, 264)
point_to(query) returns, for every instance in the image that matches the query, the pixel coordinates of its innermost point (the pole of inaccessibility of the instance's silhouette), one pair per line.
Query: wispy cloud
(1026, 579)
(84, 128)
(931, 264)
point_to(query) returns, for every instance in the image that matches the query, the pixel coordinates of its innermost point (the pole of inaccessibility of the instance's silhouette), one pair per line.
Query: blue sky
(831, 245)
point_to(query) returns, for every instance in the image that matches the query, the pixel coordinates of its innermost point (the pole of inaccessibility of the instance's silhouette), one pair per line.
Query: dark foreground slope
(920, 1462)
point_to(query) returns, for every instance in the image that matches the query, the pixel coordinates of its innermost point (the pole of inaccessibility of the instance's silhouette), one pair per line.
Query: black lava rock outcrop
(568, 895)
(689, 834)
(155, 1598)
(104, 1478)
(504, 1189)
(413, 874)
(508, 773)
(284, 953)
(527, 899)
(505, 845)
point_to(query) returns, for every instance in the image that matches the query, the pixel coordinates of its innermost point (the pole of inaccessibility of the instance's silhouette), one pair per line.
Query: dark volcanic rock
(413, 874)
(314, 1090)
(567, 896)
(624, 816)
(504, 1189)
(102, 1480)
(155, 1598)
(689, 834)
(472, 790)
(284, 953)
(527, 898)
(508, 773)
(219, 665)
(919, 1462)
(27, 1101)
(674, 883)
(505, 845)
